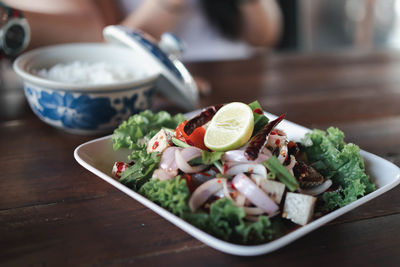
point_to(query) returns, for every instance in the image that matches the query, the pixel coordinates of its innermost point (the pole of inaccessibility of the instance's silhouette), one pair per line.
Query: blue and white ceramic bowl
(85, 109)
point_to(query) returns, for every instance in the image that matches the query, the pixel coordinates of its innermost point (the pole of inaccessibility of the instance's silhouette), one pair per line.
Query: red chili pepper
(205, 116)
(291, 144)
(224, 168)
(189, 182)
(118, 168)
(196, 138)
(155, 145)
(258, 111)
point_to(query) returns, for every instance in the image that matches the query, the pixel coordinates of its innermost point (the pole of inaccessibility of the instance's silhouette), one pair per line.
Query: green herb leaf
(139, 173)
(260, 120)
(225, 220)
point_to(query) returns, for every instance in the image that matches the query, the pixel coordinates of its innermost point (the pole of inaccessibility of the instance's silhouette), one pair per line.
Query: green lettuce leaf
(173, 194)
(142, 170)
(332, 157)
(145, 123)
(224, 220)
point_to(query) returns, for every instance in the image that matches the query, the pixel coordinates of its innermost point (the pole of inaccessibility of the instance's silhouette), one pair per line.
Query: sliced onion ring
(189, 153)
(167, 161)
(226, 190)
(319, 189)
(247, 167)
(253, 211)
(253, 193)
(163, 174)
(257, 178)
(184, 166)
(204, 192)
(240, 200)
(239, 156)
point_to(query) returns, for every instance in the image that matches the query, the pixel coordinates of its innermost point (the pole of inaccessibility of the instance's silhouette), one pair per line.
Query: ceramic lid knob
(171, 44)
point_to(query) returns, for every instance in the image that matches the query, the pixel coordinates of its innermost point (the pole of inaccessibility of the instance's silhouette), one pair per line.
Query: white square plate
(98, 157)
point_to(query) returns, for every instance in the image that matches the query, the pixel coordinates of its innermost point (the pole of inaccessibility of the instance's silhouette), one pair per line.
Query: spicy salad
(233, 173)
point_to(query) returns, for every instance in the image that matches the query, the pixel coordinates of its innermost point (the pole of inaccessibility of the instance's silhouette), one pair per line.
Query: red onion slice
(253, 211)
(240, 200)
(226, 189)
(190, 153)
(204, 192)
(291, 164)
(252, 192)
(247, 168)
(257, 179)
(167, 161)
(184, 166)
(239, 156)
(319, 189)
(163, 174)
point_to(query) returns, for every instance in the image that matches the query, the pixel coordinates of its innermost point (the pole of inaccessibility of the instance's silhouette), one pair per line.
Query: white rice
(85, 73)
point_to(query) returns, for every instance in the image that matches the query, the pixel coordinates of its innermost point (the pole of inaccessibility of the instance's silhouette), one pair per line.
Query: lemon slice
(230, 128)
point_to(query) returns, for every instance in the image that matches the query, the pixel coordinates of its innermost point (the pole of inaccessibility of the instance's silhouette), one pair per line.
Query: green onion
(218, 165)
(274, 166)
(179, 143)
(271, 176)
(210, 157)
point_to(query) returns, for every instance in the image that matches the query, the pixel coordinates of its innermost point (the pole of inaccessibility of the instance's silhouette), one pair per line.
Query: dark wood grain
(53, 212)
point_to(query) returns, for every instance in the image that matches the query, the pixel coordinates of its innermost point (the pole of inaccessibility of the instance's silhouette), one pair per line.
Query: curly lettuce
(173, 194)
(144, 124)
(225, 220)
(130, 133)
(332, 157)
(142, 170)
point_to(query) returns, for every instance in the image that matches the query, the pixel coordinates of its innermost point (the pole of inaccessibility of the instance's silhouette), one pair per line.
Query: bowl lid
(175, 81)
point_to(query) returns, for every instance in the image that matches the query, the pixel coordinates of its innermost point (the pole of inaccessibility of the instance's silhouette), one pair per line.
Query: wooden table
(54, 212)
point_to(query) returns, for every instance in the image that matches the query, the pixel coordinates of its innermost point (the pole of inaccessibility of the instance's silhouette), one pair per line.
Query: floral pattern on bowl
(87, 113)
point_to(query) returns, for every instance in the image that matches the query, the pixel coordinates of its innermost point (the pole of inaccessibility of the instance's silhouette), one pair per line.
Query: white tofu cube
(159, 142)
(299, 208)
(273, 189)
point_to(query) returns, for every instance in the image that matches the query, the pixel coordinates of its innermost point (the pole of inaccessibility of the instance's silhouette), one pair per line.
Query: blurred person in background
(210, 29)
(222, 29)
